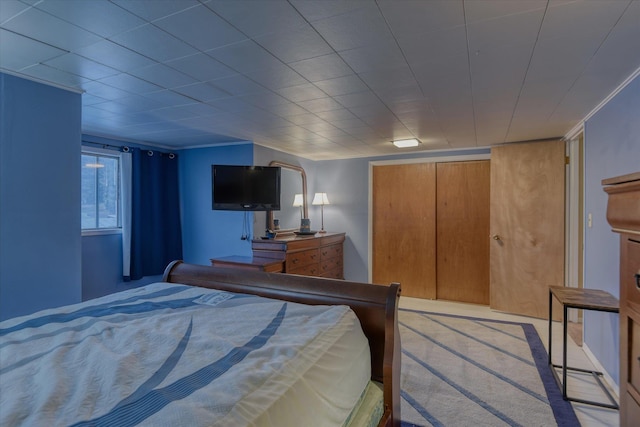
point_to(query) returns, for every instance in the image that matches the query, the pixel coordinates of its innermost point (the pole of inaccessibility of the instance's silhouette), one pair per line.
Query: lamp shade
(320, 199)
(297, 200)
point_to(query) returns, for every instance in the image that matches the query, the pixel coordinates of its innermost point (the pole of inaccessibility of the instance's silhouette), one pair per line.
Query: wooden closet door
(462, 227)
(527, 225)
(403, 247)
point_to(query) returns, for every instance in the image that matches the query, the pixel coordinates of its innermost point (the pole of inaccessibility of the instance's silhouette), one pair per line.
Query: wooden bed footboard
(375, 305)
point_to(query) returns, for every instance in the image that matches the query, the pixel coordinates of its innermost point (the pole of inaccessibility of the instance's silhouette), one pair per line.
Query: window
(100, 191)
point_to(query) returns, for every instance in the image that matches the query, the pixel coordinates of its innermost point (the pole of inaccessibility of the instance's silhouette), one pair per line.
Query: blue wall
(612, 148)
(39, 197)
(101, 265)
(207, 233)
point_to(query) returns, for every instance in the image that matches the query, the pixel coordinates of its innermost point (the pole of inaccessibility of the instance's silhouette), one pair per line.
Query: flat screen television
(245, 188)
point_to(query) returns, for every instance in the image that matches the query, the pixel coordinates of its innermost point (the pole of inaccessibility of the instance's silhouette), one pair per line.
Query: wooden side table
(585, 299)
(269, 265)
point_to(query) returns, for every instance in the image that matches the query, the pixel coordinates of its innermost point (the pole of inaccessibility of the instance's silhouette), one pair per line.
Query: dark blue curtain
(156, 236)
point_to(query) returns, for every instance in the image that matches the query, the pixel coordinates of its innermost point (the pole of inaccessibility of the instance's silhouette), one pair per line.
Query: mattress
(168, 354)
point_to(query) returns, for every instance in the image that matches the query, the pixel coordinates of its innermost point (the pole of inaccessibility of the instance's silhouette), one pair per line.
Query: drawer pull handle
(637, 276)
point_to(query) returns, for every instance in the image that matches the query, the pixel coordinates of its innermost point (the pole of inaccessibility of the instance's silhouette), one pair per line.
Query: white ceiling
(326, 79)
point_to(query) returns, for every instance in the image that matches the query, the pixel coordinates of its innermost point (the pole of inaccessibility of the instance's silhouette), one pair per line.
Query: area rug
(463, 371)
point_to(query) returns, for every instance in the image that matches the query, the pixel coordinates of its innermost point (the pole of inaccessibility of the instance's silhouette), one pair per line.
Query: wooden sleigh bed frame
(376, 307)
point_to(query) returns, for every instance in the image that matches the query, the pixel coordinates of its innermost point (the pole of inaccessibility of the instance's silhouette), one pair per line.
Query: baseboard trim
(598, 367)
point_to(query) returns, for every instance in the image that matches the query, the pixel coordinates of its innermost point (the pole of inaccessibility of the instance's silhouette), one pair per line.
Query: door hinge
(567, 160)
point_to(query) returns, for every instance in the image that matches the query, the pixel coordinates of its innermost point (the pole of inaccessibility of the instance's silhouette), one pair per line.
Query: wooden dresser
(623, 213)
(318, 255)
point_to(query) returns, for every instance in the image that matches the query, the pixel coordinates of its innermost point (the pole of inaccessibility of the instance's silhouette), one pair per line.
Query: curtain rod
(108, 146)
(126, 148)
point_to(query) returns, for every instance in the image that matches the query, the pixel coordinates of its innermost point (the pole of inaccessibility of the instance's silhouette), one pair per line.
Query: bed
(209, 346)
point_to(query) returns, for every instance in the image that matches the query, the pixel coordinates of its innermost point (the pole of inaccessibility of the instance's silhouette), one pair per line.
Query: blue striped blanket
(169, 354)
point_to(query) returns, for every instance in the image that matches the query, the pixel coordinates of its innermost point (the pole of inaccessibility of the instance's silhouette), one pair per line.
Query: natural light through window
(100, 191)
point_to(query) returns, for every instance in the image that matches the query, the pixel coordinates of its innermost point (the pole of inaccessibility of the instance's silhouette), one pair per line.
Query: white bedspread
(174, 355)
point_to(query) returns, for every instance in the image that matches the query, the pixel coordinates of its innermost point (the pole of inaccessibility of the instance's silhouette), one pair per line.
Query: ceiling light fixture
(403, 143)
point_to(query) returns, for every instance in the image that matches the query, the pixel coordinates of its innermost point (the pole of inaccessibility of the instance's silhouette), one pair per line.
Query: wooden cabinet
(623, 213)
(317, 255)
(436, 244)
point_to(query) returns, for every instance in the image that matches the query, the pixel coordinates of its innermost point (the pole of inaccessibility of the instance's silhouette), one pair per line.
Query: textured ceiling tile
(258, 17)
(409, 18)
(201, 66)
(322, 68)
(238, 85)
(10, 9)
(151, 10)
(435, 45)
(582, 19)
(518, 29)
(136, 103)
(303, 92)
(267, 100)
(104, 91)
(163, 76)
(454, 73)
(379, 56)
(114, 56)
(320, 104)
(39, 25)
(201, 91)
(341, 85)
(17, 52)
(287, 110)
(151, 41)
(169, 98)
(360, 27)
(201, 28)
(357, 99)
(97, 16)
(276, 77)
(49, 74)
(81, 66)
(314, 10)
(244, 57)
(295, 45)
(491, 9)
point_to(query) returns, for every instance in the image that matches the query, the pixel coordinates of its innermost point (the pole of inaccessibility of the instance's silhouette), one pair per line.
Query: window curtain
(125, 204)
(156, 236)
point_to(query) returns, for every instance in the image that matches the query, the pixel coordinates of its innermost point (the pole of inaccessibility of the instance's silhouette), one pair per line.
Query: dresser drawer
(306, 270)
(333, 251)
(632, 409)
(300, 259)
(330, 264)
(317, 255)
(333, 274)
(631, 274)
(634, 355)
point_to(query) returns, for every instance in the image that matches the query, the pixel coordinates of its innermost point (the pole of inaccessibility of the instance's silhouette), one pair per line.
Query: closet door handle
(637, 276)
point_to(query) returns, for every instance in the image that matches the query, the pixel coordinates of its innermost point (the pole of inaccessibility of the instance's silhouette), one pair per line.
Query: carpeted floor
(462, 371)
